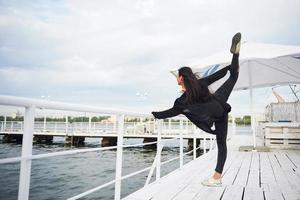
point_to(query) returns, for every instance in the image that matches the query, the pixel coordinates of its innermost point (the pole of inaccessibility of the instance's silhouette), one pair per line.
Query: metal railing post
(204, 144)
(66, 124)
(233, 125)
(90, 124)
(81, 126)
(106, 126)
(157, 149)
(115, 126)
(134, 129)
(25, 169)
(187, 127)
(194, 143)
(45, 121)
(118, 181)
(154, 164)
(181, 144)
(11, 126)
(55, 127)
(4, 125)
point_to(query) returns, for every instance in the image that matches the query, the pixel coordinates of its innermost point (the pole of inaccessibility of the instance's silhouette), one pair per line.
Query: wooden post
(267, 136)
(285, 131)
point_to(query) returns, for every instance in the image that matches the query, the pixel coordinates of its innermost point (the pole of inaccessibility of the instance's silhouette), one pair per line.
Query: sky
(118, 53)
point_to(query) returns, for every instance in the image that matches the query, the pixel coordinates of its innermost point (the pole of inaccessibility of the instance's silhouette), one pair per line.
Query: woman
(206, 110)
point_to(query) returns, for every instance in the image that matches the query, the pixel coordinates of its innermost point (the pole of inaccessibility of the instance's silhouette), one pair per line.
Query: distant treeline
(245, 120)
(55, 119)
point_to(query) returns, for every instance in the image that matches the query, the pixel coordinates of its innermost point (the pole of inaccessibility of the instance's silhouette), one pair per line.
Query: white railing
(26, 158)
(131, 128)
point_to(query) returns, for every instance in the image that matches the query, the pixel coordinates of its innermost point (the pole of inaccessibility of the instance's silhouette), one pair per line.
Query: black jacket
(202, 114)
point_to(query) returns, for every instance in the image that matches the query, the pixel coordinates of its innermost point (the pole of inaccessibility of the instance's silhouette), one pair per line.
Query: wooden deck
(246, 175)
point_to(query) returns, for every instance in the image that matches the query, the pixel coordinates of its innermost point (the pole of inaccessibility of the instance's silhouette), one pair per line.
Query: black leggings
(221, 125)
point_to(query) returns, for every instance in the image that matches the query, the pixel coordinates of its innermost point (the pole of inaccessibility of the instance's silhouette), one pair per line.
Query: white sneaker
(236, 43)
(211, 182)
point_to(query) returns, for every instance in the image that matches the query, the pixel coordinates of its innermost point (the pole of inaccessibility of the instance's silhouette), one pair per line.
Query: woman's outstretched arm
(172, 112)
(216, 76)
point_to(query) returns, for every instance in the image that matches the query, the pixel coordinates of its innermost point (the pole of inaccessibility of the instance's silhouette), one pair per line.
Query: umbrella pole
(252, 118)
(251, 106)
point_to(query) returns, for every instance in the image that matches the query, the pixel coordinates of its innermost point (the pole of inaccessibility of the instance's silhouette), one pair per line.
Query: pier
(75, 133)
(247, 175)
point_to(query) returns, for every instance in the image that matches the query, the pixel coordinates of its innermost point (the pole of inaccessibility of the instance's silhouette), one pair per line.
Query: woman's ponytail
(196, 91)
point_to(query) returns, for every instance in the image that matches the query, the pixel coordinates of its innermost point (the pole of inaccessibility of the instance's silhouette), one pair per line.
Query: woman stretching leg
(204, 108)
(221, 125)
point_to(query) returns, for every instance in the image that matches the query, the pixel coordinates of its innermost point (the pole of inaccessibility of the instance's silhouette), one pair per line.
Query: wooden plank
(294, 129)
(253, 193)
(266, 172)
(281, 179)
(277, 145)
(242, 175)
(272, 192)
(195, 187)
(230, 175)
(254, 173)
(289, 170)
(283, 160)
(189, 192)
(285, 132)
(177, 186)
(211, 193)
(190, 189)
(276, 172)
(233, 192)
(283, 136)
(293, 157)
(148, 191)
(181, 177)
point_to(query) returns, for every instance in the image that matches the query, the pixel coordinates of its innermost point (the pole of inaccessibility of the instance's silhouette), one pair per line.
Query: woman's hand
(154, 114)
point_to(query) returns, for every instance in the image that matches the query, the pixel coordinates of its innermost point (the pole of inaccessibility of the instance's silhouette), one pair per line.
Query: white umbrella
(261, 65)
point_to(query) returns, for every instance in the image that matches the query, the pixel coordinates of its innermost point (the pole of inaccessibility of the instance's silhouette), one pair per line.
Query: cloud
(109, 50)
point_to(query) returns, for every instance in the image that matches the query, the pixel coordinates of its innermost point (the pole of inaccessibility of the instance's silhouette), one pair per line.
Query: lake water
(65, 176)
(62, 177)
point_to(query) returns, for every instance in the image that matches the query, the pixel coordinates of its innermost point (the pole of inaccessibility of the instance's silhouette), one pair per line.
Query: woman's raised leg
(226, 88)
